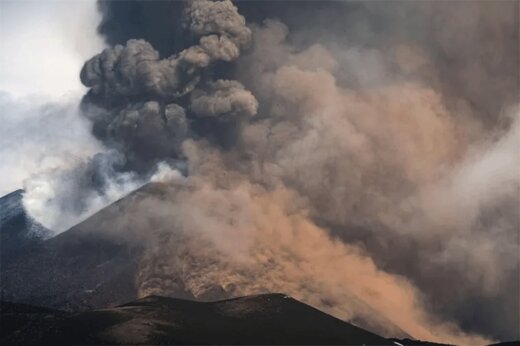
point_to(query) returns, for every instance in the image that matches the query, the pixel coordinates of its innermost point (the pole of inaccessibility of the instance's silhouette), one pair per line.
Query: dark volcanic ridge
(262, 319)
(19, 233)
(79, 269)
(274, 319)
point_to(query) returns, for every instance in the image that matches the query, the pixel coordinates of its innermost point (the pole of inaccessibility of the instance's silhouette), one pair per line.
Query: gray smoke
(359, 156)
(223, 98)
(136, 97)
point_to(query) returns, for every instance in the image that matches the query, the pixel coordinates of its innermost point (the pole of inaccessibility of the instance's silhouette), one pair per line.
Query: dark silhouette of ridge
(82, 268)
(93, 265)
(273, 319)
(19, 233)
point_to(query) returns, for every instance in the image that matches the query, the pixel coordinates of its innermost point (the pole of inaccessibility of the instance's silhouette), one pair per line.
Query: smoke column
(361, 157)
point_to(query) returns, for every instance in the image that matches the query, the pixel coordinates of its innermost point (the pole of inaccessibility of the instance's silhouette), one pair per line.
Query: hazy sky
(43, 45)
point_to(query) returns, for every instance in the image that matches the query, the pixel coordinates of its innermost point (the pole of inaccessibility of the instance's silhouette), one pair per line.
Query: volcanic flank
(273, 319)
(267, 319)
(20, 234)
(95, 265)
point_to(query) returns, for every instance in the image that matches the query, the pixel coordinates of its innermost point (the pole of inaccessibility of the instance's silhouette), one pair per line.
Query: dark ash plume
(223, 98)
(138, 101)
(381, 124)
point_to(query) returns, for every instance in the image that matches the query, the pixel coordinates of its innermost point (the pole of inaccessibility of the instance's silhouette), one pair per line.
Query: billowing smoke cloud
(223, 98)
(393, 169)
(61, 197)
(141, 98)
(46, 148)
(217, 234)
(363, 160)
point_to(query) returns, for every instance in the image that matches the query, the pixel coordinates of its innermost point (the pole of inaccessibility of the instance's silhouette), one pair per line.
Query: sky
(43, 44)
(30, 30)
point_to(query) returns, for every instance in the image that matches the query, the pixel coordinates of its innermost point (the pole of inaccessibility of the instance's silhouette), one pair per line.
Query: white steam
(45, 144)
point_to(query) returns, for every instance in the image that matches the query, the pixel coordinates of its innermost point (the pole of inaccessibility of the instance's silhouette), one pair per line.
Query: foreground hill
(263, 319)
(274, 319)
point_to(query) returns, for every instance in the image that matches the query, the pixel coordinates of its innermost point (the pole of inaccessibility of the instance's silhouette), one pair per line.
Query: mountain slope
(19, 234)
(93, 266)
(84, 267)
(262, 319)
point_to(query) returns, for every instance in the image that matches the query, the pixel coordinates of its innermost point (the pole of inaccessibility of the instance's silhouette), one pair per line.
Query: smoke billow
(139, 107)
(141, 98)
(361, 157)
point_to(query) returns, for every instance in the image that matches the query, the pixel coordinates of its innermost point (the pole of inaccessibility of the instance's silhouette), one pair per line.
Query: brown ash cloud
(337, 151)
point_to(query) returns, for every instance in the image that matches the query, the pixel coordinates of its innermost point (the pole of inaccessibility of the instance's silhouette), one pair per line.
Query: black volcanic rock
(273, 319)
(86, 267)
(81, 268)
(19, 234)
